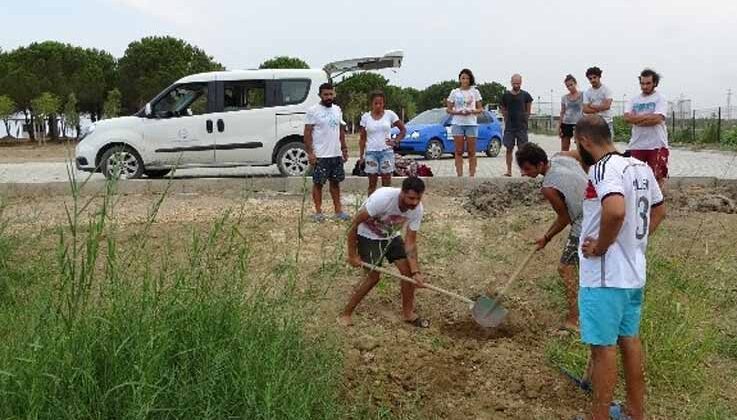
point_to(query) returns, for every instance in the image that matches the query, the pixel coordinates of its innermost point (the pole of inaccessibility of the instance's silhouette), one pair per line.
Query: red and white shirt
(623, 264)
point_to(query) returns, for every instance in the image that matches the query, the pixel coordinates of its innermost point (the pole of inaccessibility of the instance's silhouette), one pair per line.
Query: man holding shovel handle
(375, 235)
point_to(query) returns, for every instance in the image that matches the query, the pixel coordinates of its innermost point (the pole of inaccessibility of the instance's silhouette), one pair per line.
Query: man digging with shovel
(375, 235)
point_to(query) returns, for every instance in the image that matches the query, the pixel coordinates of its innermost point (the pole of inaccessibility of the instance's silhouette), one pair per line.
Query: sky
(693, 44)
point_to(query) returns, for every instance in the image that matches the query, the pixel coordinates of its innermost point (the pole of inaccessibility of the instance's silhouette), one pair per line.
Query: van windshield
(188, 99)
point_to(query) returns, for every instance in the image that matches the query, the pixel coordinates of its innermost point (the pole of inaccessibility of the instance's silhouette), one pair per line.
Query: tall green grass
(680, 337)
(107, 326)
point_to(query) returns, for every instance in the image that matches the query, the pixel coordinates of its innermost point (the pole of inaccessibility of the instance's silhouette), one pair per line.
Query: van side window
(294, 91)
(181, 101)
(241, 95)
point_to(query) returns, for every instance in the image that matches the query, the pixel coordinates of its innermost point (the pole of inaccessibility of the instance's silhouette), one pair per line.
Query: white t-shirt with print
(387, 221)
(378, 131)
(654, 136)
(325, 122)
(464, 100)
(623, 264)
(597, 97)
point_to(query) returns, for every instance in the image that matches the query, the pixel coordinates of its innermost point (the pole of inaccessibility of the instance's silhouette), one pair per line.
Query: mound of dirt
(493, 199)
(701, 199)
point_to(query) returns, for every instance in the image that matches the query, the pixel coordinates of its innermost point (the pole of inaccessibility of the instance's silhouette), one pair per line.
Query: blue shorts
(464, 130)
(379, 162)
(607, 313)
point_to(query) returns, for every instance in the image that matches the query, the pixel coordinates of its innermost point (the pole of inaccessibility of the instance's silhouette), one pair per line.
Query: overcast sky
(692, 43)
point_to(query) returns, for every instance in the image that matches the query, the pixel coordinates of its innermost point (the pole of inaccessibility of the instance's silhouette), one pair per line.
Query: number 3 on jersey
(643, 210)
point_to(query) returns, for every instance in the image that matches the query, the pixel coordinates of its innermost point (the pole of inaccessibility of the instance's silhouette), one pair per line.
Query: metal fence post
(719, 125)
(693, 127)
(673, 124)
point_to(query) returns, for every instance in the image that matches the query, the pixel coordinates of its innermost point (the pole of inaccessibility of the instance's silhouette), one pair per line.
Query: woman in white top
(571, 110)
(464, 104)
(376, 146)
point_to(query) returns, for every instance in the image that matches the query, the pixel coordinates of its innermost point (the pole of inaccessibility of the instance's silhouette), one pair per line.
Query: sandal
(419, 322)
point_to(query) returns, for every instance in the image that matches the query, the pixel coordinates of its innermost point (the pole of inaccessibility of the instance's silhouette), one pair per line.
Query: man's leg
(408, 291)
(335, 194)
(634, 376)
(370, 280)
(471, 156)
(317, 197)
(386, 180)
(458, 142)
(509, 140)
(567, 274)
(603, 380)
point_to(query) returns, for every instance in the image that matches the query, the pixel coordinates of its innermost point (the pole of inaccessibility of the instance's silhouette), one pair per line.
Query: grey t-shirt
(567, 176)
(597, 97)
(574, 109)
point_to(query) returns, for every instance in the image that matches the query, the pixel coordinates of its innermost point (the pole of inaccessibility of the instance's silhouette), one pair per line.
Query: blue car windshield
(431, 116)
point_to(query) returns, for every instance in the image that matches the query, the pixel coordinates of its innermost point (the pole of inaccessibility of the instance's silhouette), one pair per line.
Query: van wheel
(156, 173)
(495, 146)
(292, 159)
(121, 162)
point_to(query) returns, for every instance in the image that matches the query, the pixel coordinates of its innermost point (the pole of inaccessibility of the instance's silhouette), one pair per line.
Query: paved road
(682, 163)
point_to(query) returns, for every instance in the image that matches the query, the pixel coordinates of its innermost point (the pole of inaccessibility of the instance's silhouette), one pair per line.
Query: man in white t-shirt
(647, 112)
(376, 235)
(597, 100)
(326, 150)
(622, 206)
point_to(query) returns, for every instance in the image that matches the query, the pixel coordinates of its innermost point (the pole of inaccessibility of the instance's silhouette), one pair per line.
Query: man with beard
(326, 150)
(375, 235)
(564, 182)
(516, 106)
(646, 112)
(622, 206)
(597, 100)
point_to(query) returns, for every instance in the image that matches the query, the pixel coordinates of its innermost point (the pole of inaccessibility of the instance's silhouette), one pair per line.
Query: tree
(355, 106)
(111, 109)
(434, 96)
(153, 63)
(71, 115)
(45, 107)
(400, 101)
(7, 109)
(491, 92)
(284, 62)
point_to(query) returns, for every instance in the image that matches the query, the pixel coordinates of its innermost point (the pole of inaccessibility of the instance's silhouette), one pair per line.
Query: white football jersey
(623, 264)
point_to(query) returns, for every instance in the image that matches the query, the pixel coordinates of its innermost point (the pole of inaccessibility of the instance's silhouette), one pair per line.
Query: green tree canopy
(71, 114)
(153, 63)
(491, 92)
(7, 109)
(284, 62)
(434, 96)
(112, 106)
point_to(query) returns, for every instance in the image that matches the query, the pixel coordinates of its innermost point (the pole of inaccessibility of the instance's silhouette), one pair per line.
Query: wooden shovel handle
(516, 274)
(410, 280)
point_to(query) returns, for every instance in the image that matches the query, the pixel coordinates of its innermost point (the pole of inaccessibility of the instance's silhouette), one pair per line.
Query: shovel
(495, 313)
(481, 309)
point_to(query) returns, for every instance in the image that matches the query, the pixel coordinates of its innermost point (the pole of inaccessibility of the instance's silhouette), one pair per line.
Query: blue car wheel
(495, 146)
(434, 149)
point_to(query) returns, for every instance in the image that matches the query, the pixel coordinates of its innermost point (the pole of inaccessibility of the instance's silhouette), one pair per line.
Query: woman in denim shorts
(464, 104)
(376, 145)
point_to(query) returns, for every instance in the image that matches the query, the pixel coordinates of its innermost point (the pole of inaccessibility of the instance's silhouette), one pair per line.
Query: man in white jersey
(622, 206)
(375, 235)
(646, 112)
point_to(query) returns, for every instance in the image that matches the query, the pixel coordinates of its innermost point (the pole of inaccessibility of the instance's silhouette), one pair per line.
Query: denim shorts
(379, 162)
(607, 313)
(464, 130)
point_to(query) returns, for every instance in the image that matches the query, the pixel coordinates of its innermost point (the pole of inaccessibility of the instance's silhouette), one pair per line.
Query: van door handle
(221, 126)
(208, 126)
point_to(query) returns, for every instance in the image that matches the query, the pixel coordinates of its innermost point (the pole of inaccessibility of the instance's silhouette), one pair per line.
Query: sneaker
(343, 216)
(318, 217)
(616, 411)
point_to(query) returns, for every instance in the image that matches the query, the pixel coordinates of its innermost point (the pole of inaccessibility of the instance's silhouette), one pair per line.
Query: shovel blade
(488, 313)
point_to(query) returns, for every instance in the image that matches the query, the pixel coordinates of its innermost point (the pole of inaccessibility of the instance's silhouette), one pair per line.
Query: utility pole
(551, 108)
(729, 104)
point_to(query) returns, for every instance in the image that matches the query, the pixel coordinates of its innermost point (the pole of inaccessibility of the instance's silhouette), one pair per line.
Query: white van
(216, 119)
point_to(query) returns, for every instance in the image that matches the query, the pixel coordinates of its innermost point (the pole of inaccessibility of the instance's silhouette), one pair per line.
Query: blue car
(428, 134)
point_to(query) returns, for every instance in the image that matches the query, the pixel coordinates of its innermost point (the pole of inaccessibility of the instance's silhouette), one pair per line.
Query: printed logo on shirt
(387, 225)
(330, 119)
(590, 193)
(644, 108)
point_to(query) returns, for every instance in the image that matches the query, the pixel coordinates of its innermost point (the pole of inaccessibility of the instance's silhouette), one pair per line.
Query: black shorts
(512, 136)
(375, 251)
(328, 169)
(566, 130)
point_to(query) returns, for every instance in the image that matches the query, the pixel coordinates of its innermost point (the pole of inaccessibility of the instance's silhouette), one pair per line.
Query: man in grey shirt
(564, 184)
(597, 100)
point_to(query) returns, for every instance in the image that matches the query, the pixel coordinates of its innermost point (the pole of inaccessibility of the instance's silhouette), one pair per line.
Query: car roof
(255, 74)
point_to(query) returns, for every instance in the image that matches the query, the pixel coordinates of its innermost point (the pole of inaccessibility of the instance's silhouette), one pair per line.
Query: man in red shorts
(646, 112)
